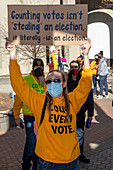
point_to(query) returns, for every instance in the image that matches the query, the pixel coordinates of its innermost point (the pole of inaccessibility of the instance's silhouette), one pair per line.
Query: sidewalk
(99, 138)
(98, 142)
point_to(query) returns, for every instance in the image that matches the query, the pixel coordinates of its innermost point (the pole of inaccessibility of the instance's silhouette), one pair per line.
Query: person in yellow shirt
(57, 144)
(36, 81)
(94, 67)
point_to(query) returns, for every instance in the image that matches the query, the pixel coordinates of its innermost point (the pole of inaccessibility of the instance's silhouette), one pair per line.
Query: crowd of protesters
(58, 105)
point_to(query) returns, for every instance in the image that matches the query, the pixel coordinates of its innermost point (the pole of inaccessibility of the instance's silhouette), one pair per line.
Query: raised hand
(86, 46)
(85, 50)
(11, 48)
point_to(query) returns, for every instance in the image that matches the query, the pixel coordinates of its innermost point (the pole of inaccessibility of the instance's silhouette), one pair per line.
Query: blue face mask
(54, 89)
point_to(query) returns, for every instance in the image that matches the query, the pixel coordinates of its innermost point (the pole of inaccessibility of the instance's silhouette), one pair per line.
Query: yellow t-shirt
(94, 70)
(57, 140)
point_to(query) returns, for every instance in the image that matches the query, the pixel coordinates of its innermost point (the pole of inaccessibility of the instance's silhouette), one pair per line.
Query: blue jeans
(95, 84)
(30, 143)
(103, 82)
(80, 135)
(45, 165)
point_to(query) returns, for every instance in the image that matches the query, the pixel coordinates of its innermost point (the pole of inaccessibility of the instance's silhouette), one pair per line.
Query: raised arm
(80, 94)
(85, 50)
(30, 97)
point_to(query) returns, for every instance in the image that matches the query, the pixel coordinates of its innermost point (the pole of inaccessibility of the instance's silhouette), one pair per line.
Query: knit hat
(38, 62)
(64, 60)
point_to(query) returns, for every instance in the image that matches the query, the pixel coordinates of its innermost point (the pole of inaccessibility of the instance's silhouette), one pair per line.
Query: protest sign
(47, 24)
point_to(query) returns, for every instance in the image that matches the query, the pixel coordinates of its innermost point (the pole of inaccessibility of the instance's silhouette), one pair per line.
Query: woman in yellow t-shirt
(94, 67)
(57, 145)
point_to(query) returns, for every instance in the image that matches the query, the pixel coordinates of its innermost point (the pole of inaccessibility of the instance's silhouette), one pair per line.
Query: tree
(30, 52)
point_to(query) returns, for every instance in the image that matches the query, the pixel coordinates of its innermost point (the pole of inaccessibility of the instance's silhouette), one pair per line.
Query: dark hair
(96, 55)
(74, 61)
(65, 93)
(101, 52)
(80, 60)
(79, 73)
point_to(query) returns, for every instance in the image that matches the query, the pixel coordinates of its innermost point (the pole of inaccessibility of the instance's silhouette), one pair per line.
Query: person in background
(36, 81)
(94, 67)
(59, 61)
(80, 59)
(74, 77)
(51, 65)
(103, 72)
(65, 67)
(62, 66)
(57, 144)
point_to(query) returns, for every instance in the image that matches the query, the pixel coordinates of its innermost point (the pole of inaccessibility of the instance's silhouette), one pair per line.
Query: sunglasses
(54, 80)
(76, 67)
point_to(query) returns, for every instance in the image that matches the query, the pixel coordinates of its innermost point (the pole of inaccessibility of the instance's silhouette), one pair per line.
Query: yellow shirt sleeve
(17, 107)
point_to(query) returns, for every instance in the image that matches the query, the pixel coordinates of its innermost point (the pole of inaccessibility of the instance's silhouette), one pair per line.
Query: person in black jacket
(73, 79)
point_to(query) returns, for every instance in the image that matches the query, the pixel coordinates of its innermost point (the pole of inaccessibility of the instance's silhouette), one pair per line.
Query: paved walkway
(98, 142)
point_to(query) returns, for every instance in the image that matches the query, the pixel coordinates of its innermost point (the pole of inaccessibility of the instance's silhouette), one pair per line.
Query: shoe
(106, 96)
(99, 97)
(83, 159)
